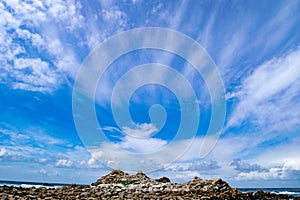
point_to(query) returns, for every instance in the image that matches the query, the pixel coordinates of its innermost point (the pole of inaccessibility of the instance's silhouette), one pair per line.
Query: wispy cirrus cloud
(260, 92)
(277, 29)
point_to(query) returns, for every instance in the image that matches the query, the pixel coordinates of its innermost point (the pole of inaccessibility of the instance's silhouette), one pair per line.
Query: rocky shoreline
(121, 185)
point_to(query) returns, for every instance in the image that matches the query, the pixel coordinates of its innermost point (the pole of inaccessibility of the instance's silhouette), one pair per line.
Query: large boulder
(163, 180)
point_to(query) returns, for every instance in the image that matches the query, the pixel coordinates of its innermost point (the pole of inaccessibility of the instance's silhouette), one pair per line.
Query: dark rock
(163, 180)
(218, 181)
(73, 185)
(48, 184)
(116, 172)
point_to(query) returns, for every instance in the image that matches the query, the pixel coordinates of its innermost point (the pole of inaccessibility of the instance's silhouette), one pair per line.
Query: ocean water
(30, 184)
(289, 191)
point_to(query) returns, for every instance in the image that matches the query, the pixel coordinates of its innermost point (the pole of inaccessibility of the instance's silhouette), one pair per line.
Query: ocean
(31, 184)
(289, 191)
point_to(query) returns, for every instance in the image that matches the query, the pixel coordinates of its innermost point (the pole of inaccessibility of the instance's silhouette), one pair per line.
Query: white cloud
(42, 160)
(92, 162)
(292, 165)
(196, 165)
(215, 164)
(235, 44)
(139, 139)
(95, 164)
(40, 76)
(35, 39)
(219, 159)
(32, 134)
(223, 152)
(22, 29)
(175, 21)
(288, 171)
(273, 173)
(63, 163)
(281, 162)
(19, 148)
(80, 158)
(114, 14)
(49, 140)
(141, 145)
(2, 152)
(113, 20)
(259, 93)
(279, 155)
(242, 166)
(141, 130)
(14, 136)
(45, 28)
(20, 153)
(43, 171)
(65, 11)
(278, 27)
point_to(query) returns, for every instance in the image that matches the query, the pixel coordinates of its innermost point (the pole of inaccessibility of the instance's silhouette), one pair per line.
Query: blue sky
(254, 44)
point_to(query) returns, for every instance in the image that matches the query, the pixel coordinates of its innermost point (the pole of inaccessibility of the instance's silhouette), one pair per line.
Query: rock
(120, 177)
(48, 184)
(121, 185)
(4, 197)
(73, 185)
(163, 180)
(218, 181)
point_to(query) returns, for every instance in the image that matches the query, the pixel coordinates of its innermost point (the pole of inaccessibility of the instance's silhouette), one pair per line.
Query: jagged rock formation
(121, 185)
(118, 176)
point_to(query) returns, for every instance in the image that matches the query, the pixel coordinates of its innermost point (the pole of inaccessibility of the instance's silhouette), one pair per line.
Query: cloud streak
(260, 90)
